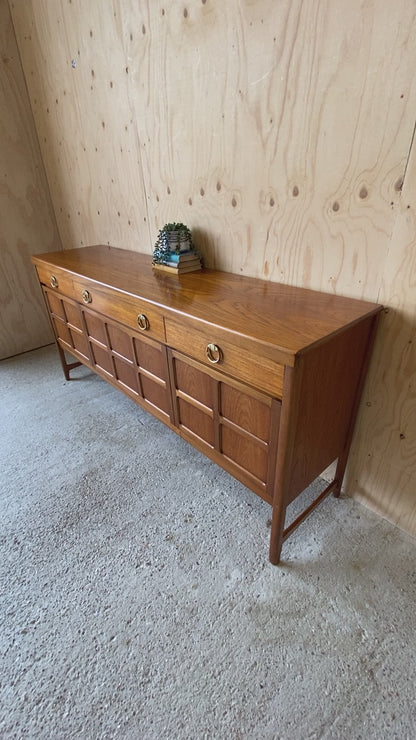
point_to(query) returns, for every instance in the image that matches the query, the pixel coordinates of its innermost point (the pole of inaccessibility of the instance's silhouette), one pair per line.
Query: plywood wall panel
(277, 132)
(272, 119)
(27, 221)
(383, 464)
(77, 64)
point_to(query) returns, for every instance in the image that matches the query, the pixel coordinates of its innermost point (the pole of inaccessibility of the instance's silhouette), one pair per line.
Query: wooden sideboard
(263, 378)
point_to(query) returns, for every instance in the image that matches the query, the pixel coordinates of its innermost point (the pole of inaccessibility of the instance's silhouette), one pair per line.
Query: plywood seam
(26, 351)
(408, 157)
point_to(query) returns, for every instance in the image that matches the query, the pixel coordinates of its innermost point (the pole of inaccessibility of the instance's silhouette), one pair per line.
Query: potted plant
(173, 238)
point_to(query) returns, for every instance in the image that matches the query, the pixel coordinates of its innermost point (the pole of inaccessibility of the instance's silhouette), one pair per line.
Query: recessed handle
(143, 321)
(86, 296)
(213, 353)
(53, 281)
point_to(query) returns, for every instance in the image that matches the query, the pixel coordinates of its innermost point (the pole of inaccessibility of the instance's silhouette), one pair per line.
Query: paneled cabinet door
(134, 363)
(68, 325)
(233, 424)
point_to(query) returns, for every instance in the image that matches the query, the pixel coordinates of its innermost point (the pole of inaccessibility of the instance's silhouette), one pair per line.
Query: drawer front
(236, 356)
(53, 277)
(128, 310)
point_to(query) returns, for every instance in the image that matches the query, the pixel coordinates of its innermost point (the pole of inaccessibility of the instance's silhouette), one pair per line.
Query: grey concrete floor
(137, 600)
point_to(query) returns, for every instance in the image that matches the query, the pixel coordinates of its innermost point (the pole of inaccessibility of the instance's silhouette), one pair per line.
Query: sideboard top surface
(284, 316)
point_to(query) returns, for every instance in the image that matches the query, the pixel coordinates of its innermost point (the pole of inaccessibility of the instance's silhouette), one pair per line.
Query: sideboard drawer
(128, 310)
(53, 277)
(230, 353)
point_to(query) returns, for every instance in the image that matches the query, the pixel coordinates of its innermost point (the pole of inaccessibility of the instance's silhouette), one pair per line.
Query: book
(181, 265)
(177, 270)
(182, 256)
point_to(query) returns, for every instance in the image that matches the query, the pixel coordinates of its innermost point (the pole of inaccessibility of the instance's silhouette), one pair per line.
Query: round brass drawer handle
(143, 321)
(86, 296)
(213, 353)
(53, 281)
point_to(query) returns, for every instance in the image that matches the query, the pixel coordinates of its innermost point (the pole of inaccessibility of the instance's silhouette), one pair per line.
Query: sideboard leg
(66, 367)
(276, 534)
(291, 389)
(339, 473)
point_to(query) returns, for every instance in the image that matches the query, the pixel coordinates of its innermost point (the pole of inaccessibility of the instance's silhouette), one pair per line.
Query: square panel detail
(102, 358)
(73, 315)
(95, 328)
(155, 393)
(126, 373)
(196, 421)
(149, 357)
(120, 342)
(245, 411)
(55, 305)
(195, 383)
(245, 452)
(80, 343)
(62, 331)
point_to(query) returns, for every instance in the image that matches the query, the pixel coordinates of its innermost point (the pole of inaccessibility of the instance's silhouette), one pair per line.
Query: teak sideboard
(263, 378)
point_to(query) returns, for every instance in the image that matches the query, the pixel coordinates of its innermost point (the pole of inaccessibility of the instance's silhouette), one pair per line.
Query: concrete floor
(137, 600)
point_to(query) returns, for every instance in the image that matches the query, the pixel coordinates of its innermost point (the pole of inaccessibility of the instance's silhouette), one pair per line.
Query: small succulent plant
(173, 237)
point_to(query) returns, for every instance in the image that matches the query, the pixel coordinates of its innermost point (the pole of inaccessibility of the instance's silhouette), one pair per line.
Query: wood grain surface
(27, 221)
(279, 132)
(80, 66)
(383, 465)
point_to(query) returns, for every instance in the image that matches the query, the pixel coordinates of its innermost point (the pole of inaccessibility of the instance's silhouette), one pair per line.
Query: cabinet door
(232, 423)
(134, 363)
(68, 325)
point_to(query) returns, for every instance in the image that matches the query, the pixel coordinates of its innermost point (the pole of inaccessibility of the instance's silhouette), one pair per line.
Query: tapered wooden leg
(339, 474)
(276, 534)
(283, 465)
(66, 366)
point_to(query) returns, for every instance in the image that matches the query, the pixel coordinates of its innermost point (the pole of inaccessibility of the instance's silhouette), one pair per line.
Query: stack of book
(179, 263)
